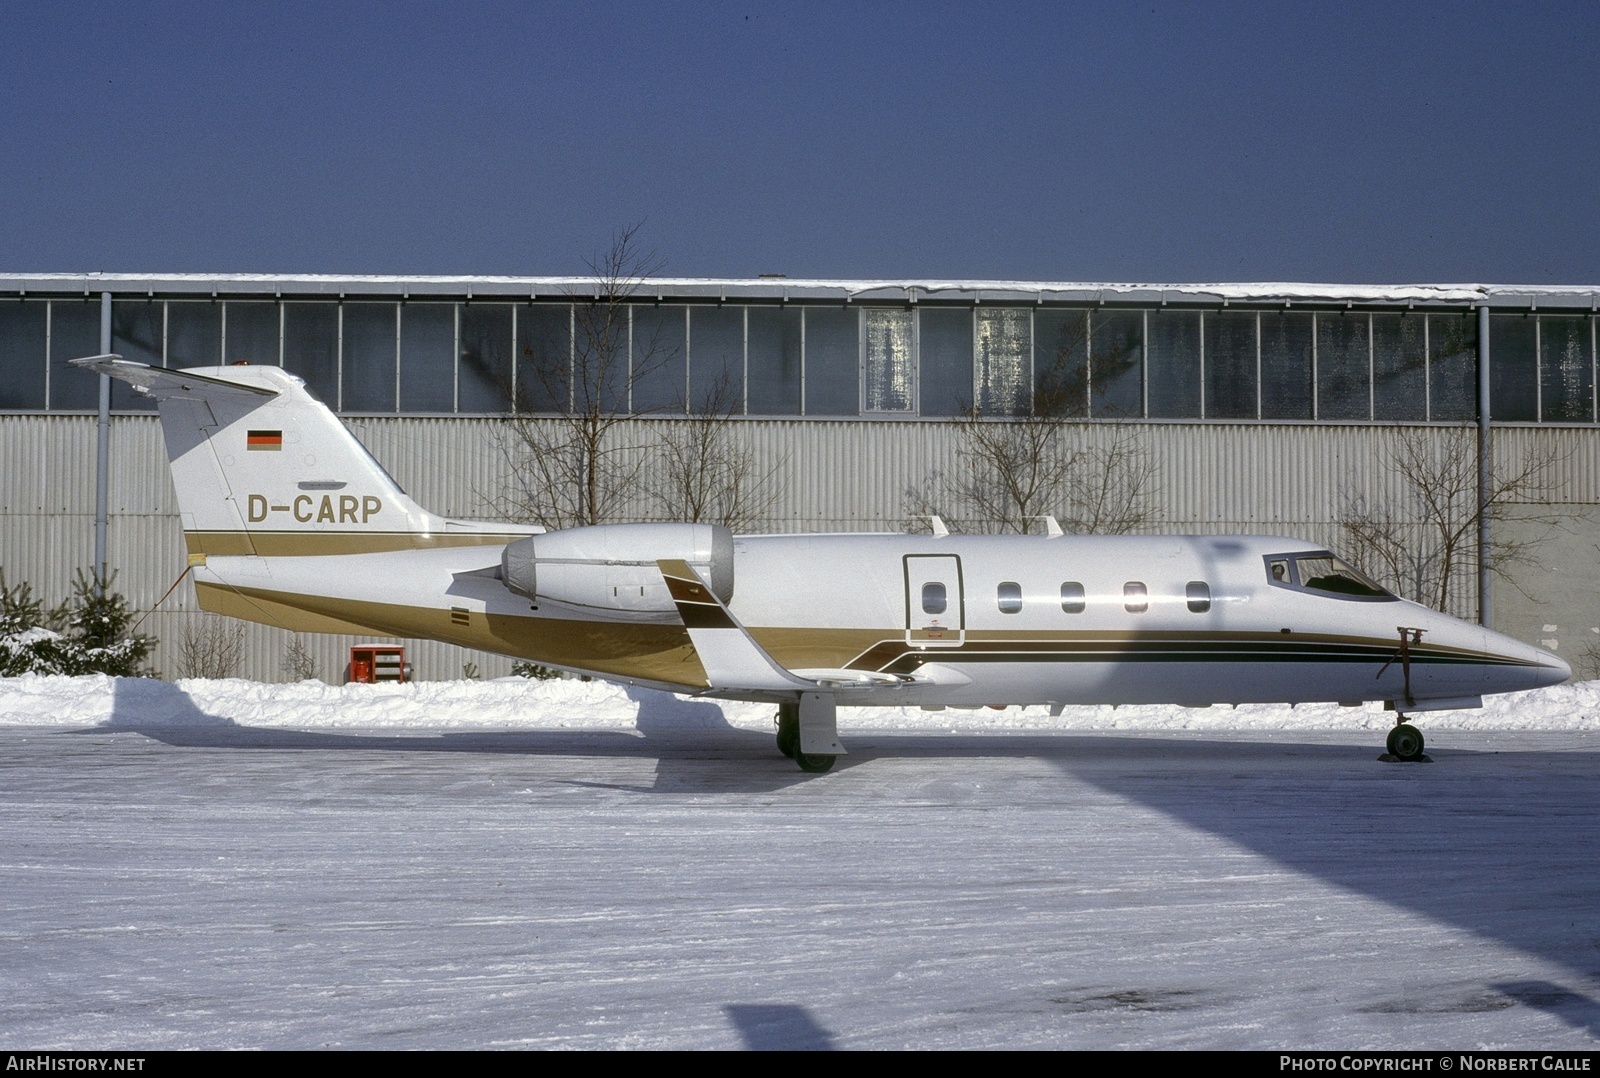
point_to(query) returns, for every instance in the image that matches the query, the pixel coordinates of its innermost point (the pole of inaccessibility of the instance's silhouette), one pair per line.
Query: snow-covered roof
(1514, 296)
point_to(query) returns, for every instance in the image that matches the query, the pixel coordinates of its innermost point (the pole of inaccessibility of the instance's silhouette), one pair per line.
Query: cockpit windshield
(1323, 573)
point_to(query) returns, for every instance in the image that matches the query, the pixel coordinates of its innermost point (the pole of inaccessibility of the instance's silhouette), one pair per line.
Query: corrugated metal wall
(820, 475)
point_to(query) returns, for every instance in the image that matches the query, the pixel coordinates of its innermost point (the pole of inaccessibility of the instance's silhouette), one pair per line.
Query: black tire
(814, 764)
(1405, 742)
(789, 729)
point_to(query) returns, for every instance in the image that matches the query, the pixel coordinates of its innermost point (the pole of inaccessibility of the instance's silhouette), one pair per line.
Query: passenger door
(936, 612)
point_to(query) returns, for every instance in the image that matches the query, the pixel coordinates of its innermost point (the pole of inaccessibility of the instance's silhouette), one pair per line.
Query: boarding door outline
(936, 609)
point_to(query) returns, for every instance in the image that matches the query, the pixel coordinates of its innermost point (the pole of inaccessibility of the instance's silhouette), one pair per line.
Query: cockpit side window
(1330, 574)
(1322, 573)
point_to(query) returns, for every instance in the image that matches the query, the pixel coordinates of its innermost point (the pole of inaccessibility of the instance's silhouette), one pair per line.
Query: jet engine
(612, 567)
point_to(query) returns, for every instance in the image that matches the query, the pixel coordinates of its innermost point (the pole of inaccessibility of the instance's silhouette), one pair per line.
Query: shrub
(89, 634)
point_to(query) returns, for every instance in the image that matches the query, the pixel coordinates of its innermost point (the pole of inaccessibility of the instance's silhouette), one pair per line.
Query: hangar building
(1277, 408)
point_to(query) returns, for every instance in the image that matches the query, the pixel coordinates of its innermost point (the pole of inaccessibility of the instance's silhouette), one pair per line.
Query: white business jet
(289, 521)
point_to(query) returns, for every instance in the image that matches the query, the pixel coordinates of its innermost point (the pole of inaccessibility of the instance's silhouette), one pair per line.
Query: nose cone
(1522, 666)
(1558, 669)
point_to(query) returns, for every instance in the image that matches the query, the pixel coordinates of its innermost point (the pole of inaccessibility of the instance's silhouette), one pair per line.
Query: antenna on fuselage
(940, 528)
(1052, 526)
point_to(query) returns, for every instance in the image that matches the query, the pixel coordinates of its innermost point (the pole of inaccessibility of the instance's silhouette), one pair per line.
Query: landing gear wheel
(1405, 742)
(815, 763)
(789, 731)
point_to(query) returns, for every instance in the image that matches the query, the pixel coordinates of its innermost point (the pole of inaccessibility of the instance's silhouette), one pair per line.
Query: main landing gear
(788, 721)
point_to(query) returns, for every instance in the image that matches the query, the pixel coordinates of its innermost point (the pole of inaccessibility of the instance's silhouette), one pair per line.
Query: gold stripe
(660, 653)
(837, 648)
(270, 544)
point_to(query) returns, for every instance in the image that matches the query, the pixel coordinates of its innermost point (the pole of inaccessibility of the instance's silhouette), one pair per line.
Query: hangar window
(773, 339)
(1344, 367)
(74, 329)
(1452, 366)
(24, 338)
(934, 600)
(1002, 372)
(1399, 367)
(1135, 597)
(889, 363)
(1286, 365)
(1198, 594)
(1514, 367)
(1009, 595)
(1231, 365)
(1072, 597)
(833, 344)
(944, 347)
(1566, 375)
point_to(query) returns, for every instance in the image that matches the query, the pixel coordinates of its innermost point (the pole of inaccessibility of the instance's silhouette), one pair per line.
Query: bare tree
(577, 466)
(298, 662)
(212, 647)
(1047, 462)
(705, 476)
(1423, 544)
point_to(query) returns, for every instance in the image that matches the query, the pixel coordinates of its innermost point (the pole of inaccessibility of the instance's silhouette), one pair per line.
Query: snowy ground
(222, 864)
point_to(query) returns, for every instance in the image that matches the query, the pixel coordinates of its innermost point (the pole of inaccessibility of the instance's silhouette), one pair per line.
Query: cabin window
(1198, 593)
(1009, 595)
(1135, 597)
(1072, 599)
(934, 600)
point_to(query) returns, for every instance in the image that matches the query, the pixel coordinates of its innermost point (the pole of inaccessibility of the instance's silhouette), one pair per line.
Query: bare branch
(1423, 544)
(212, 647)
(705, 475)
(575, 467)
(1045, 462)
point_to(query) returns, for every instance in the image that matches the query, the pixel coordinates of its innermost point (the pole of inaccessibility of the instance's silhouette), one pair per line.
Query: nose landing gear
(1405, 742)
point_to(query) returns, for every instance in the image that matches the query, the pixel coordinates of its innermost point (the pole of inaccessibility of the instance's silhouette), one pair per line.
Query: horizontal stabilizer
(160, 384)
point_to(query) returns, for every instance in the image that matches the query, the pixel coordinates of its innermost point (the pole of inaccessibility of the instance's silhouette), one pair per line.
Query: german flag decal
(264, 439)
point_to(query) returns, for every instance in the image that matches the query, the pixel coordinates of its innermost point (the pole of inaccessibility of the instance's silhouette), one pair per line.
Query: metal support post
(102, 462)
(1485, 474)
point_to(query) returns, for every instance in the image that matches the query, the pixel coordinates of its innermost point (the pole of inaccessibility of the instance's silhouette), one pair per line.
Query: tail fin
(261, 467)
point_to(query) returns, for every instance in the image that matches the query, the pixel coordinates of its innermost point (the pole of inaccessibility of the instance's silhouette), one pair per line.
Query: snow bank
(517, 703)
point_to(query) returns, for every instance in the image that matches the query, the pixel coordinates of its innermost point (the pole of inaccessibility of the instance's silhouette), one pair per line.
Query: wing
(733, 659)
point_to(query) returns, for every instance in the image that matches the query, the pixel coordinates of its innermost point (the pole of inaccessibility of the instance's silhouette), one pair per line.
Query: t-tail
(263, 468)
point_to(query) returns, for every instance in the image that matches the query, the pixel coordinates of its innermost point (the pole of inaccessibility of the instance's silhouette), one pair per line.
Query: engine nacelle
(612, 567)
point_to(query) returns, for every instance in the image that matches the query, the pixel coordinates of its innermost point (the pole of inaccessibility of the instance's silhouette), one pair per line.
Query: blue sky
(1097, 141)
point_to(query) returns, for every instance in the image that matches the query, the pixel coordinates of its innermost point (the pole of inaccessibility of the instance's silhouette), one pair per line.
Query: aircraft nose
(1534, 667)
(1559, 669)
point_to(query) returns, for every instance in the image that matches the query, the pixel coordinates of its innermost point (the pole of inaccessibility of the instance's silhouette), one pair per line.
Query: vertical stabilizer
(261, 467)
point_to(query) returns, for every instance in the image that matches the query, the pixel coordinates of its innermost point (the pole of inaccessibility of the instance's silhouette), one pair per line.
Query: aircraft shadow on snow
(1521, 840)
(1505, 845)
(694, 747)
